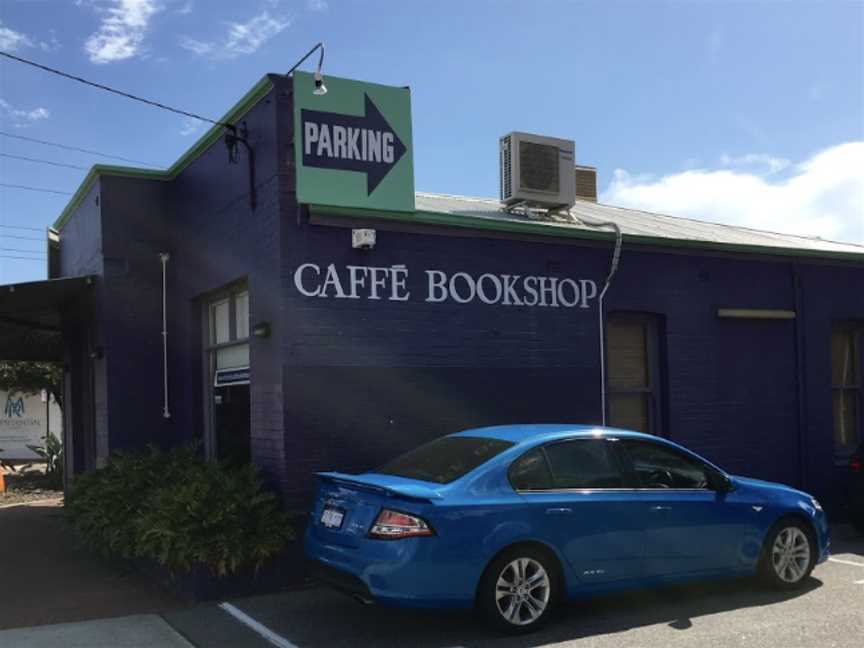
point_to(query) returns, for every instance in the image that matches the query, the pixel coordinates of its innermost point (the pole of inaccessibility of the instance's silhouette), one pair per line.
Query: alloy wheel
(522, 591)
(790, 555)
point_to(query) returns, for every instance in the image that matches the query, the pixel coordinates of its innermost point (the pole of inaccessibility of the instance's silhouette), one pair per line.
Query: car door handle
(659, 509)
(558, 511)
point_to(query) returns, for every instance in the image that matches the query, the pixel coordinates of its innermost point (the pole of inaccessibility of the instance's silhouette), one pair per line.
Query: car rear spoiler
(405, 491)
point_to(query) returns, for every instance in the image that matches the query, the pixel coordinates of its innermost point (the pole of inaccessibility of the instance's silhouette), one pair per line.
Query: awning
(31, 317)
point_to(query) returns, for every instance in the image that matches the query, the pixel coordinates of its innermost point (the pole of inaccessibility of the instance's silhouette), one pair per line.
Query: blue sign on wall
(234, 376)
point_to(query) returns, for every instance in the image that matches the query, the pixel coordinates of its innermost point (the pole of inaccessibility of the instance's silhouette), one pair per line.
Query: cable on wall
(613, 268)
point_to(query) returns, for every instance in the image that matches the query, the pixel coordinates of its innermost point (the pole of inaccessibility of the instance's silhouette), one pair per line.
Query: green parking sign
(353, 144)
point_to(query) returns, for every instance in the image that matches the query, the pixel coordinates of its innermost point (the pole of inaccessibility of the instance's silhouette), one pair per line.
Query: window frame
(611, 445)
(654, 391)
(856, 329)
(711, 472)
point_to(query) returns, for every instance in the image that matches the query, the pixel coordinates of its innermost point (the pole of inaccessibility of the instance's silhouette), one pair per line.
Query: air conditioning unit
(537, 171)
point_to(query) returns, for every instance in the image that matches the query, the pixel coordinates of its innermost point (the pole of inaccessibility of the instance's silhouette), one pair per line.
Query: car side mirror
(721, 483)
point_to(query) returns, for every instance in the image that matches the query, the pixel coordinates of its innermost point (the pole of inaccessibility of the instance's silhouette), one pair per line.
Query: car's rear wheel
(519, 589)
(789, 554)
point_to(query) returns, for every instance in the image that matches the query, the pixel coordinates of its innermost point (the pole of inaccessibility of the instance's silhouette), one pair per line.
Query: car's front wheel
(789, 554)
(519, 589)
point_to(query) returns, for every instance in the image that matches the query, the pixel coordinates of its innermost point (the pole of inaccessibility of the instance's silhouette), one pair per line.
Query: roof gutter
(555, 230)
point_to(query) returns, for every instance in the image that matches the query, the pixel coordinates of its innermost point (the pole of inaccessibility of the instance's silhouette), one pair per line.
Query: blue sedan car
(514, 518)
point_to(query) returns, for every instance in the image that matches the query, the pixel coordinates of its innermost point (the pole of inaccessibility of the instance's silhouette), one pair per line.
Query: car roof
(542, 432)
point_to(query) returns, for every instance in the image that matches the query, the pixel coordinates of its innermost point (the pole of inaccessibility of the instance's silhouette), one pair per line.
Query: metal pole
(163, 257)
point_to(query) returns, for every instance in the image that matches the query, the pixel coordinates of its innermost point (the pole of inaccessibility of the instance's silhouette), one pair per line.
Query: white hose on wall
(163, 258)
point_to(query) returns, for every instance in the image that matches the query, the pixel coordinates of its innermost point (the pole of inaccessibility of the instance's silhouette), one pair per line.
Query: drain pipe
(613, 268)
(163, 258)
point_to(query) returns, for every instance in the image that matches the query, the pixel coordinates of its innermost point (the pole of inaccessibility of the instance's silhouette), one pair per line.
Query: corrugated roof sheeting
(636, 223)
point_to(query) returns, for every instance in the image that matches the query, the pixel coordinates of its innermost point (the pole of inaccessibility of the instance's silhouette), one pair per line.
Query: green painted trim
(547, 229)
(253, 96)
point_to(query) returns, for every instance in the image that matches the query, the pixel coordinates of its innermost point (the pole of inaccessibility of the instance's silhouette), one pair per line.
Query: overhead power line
(41, 161)
(2, 249)
(72, 148)
(22, 238)
(9, 256)
(128, 95)
(23, 227)
(39, 189)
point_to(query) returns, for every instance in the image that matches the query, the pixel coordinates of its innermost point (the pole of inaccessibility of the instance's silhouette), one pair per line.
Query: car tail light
(395, 525)
(855, 463)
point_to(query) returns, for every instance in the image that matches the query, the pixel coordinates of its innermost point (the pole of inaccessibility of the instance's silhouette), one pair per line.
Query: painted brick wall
(366, 380)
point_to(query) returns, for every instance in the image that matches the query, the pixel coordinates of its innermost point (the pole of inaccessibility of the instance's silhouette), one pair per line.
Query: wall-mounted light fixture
(320, 88)
(261, 330)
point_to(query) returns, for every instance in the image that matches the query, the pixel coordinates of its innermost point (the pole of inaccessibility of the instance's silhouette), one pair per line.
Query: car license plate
(332, 517)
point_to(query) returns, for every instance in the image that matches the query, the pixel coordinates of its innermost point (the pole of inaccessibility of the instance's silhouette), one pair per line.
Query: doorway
(231, 416)
(227, 374)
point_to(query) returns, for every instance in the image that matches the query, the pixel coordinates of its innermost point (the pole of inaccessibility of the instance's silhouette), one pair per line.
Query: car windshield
(444, 459)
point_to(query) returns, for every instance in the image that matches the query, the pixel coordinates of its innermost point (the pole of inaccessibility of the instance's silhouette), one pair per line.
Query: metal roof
(659, 228)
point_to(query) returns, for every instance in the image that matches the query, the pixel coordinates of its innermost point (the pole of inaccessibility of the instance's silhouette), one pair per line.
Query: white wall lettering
(385, 283)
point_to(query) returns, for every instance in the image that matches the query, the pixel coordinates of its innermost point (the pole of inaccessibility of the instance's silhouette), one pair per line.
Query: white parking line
(845, 562)
(258, 628)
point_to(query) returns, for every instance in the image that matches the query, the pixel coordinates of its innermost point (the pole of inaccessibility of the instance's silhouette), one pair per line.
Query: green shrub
(179, 510)
(52, 453)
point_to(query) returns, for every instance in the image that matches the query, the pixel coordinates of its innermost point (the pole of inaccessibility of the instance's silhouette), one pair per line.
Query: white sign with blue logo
(24, 421)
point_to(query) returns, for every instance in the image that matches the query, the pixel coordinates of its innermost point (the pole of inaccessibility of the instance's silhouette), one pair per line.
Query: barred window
(846, 386)
(632, 373)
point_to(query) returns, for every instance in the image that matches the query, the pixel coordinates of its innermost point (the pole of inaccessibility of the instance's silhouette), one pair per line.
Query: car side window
(530, 472)
(659, 467)
(584, 463)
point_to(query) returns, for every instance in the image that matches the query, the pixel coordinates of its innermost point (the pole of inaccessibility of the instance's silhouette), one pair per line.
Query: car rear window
(444, 460)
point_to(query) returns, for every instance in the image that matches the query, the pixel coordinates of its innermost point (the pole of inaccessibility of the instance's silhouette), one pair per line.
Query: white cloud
(190, 126)
(121, 34)
(242, 38)
(317, 5)
(11, 40)
(248, 37)
(770, 163)
(21, 118)
(186, 9)
(822, 196)
(196, 46)
(51, 45)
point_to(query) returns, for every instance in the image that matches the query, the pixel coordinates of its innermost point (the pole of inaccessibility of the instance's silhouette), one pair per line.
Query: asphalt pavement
(828, 612)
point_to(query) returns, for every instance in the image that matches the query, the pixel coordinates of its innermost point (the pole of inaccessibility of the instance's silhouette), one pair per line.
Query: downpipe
(163, 258)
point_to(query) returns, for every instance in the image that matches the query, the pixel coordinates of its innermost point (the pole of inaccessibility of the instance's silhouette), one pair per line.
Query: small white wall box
(363, 239)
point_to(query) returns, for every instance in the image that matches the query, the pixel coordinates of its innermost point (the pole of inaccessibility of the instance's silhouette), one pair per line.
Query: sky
(749, 113)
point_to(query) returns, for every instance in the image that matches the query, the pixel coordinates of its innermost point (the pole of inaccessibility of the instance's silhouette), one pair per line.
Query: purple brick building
(288, 345)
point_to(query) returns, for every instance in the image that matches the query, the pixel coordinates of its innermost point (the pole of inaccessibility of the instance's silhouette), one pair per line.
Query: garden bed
(204, 530)
(28, 484)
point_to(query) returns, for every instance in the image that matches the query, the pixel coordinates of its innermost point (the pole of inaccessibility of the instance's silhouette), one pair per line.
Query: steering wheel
(660, 478)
